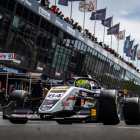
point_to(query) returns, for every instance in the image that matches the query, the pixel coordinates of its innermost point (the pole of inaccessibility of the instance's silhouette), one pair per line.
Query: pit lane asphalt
(48, 130)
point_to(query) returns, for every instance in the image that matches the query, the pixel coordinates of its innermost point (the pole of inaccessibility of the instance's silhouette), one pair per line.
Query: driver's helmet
(84, 84)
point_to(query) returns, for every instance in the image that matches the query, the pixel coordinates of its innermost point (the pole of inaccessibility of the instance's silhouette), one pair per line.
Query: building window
(11, 5)
(43, 23)
(15, 22)
(1, 17)
(25, 13)
(19, 10)
(5, 30)
(31, 17)
(12, 39)
(37, 20)
(3, 3)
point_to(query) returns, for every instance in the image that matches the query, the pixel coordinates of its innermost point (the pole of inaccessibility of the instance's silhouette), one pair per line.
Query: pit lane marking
(120, 127)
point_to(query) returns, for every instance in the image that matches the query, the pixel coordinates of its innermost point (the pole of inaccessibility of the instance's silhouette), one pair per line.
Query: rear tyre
(19, 96)
(109, 107)
(132, 111)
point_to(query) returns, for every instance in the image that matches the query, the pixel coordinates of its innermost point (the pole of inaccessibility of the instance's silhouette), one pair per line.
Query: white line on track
(120, 127)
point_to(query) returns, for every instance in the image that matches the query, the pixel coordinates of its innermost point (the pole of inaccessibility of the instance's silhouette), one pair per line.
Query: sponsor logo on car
(93, 112)
(50, 101)
(84, 94)
(65, 104)
(82, 102)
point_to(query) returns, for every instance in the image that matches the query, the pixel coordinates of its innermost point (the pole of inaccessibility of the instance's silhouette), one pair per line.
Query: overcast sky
(127, 12)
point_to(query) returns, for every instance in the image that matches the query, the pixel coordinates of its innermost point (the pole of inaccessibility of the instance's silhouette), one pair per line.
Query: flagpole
(137, 58)
(95, 19)
(104, 29)
(71, 9)
(129, 42)
(118, 39)
(111, 31)
(84, 17)
(131, 50)
(55, 2)
(124, 43)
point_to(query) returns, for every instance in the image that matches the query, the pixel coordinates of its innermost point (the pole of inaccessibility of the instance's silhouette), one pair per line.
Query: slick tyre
(109, 107)
(19, 96)
(132, 111)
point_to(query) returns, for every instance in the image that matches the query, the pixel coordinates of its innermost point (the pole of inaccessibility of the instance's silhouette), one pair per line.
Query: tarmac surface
(48, 130)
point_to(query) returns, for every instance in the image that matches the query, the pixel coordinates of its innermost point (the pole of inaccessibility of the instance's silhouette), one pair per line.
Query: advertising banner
(6, 56)
(9, 69)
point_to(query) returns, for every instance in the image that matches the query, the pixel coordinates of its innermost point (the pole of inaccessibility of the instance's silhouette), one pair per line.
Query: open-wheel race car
(79, 99)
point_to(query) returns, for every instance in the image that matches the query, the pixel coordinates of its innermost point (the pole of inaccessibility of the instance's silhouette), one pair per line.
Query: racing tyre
(19, 96)
(132, 111)
(109, 107)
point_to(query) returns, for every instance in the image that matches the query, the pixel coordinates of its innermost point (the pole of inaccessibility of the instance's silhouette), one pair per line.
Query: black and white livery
(79, 99)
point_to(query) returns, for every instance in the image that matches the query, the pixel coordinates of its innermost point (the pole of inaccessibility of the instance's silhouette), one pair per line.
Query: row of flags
(91, 6)
(128, 48)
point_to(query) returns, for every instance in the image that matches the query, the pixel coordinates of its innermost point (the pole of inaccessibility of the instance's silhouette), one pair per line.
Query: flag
(138, 54)
(130, 48)
(65, 2)
(88, 6)
(113, 30)
(120, 36)
(134, 52)
(126, 45)
(98, 15)
(107, 22)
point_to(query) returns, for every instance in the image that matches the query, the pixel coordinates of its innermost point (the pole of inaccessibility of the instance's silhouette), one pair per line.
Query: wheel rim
(118, 108)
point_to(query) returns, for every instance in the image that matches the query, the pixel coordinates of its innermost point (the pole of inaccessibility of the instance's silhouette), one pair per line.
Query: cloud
(126, 12)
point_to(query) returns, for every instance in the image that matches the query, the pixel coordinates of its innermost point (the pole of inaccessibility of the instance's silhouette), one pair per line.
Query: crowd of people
(85, 32)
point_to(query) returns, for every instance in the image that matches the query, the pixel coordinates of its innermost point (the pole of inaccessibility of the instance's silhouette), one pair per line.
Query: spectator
(79, 28)
(95, 40)
(100, 44)
(92, 37)
(20, 88)
(84, 32)
(57, 10)
(71, 22)
(13, 88)
(37, 90)
(103, 46)
(66, 19)
(27, 88)
(75, 26)
(59, 13)
(53, 9)
(45, 90)
(62, 17)
(45, 3)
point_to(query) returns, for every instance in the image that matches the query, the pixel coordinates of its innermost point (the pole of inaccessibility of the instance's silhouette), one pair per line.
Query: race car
(79, 99)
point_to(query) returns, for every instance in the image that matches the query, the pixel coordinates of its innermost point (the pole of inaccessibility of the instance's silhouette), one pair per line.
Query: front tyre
(132, 111)
(109, 107)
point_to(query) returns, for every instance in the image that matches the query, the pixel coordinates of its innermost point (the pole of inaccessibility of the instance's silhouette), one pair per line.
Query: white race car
(80, 99)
